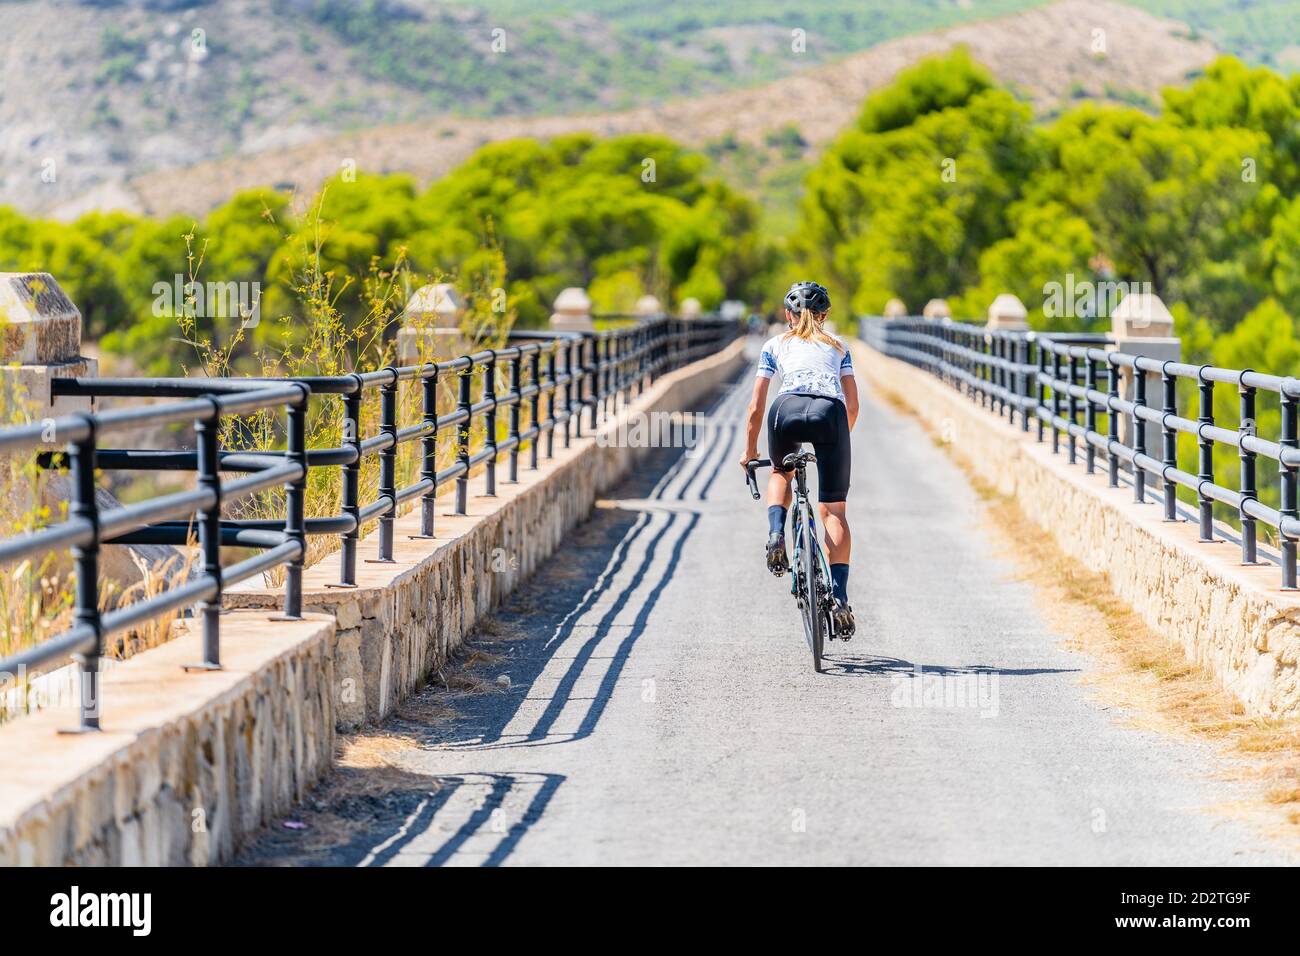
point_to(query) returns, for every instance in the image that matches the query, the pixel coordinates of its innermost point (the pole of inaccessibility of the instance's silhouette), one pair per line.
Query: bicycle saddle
(796, 458)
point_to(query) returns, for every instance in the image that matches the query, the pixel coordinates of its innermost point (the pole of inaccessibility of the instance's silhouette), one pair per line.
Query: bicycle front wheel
(813, 624)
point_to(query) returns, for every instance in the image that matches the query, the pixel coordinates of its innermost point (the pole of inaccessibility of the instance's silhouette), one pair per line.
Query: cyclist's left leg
(779, 444)
(839, 540)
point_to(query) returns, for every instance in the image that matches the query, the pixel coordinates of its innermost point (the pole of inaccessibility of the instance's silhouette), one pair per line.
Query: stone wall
(188, 764)
(1233, 619)
(405, 618)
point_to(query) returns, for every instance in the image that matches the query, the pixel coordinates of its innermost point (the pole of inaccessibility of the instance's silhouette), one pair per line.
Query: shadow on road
(850, 665)
(571, 616)
(575, 609)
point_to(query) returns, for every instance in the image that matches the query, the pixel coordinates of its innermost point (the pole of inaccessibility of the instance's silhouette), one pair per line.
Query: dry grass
(1141, 673)
(154, 581)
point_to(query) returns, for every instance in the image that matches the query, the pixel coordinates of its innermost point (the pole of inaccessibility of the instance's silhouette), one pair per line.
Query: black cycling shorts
(796, 418)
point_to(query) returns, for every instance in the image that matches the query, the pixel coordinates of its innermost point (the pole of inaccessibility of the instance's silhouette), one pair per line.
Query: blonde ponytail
(810, 326)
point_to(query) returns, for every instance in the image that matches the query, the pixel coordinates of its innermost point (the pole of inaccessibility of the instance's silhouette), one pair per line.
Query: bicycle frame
(801, 513)
(816, 591)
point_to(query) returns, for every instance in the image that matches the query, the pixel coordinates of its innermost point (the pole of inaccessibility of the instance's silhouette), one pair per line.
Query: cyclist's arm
(754, 418)
(850, 386)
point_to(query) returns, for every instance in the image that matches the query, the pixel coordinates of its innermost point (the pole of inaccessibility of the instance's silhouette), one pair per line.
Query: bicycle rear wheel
(813, 623)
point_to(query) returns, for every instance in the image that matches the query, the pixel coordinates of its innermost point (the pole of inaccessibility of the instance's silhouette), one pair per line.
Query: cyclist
(817, 403)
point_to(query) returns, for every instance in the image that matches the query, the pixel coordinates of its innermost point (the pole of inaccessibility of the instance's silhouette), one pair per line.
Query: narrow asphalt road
(663, 710)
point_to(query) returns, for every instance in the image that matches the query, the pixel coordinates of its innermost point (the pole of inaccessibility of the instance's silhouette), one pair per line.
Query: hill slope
(174, 110)
(1044, 52)
(105, 89)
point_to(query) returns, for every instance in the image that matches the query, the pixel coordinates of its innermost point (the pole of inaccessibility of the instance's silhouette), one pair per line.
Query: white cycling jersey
(811, 368)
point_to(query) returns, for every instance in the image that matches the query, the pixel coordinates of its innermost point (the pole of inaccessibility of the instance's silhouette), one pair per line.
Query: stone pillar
(431, 326)
(572, 311)
(936, 309)
(897, 309)
(1008, 314)
(691, 309)
(649, 307)
(1141, 325)
(732, 310)
(41, 341)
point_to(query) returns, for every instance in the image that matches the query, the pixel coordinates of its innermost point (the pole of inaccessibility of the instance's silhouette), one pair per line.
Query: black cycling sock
(776, 519)
(840, 582)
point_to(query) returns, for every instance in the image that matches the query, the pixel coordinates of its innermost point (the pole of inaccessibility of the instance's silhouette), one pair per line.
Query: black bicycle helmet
(808, 295)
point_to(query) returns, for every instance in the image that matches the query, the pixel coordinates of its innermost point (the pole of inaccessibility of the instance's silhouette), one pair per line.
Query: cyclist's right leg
(834, 467)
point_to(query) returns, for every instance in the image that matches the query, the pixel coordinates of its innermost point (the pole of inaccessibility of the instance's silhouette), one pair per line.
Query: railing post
(986, 371)
(550, 400)
(1056, 401)
(973, 346)
(206, 432)
(534, 370)
(1040, 387)
(1205, 456)
(1246, 429)
(462, 439)
(429, 449)
(592, 373)
(573, 394)
(966, 348)
(388, 463)
(967, 363)
(1139, 435)
(295, 493)
(516, 399)
(1090, 415)
(1072, 404)
(1000, 374)
(490, 421)
(351, 483)
(625, 344)
(85, 558)
(604, 364)
(1022, 380)
(1112, 419)
(649, 338)
(639, 339)
(664, 360)
(1290, 486)
(1169, 440)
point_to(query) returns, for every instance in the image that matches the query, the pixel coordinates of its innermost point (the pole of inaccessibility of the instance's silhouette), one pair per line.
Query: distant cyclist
(818, 403)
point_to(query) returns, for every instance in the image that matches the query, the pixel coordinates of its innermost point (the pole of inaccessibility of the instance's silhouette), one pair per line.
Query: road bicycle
(811, 581)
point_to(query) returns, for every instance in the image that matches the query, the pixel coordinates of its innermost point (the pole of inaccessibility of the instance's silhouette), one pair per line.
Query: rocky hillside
(171, 105)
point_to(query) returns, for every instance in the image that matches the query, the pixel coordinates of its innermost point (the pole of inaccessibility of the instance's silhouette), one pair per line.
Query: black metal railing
(556, 378)
(1068, 383)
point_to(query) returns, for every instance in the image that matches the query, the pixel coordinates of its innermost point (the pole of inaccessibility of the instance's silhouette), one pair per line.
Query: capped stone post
(1008, 314)
(896, 309)
(936, 309)
(649, 307)
(1141, 325)
(572, 311)
(733, 310)
(691, 309)
(431, 323)
(40, 340)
